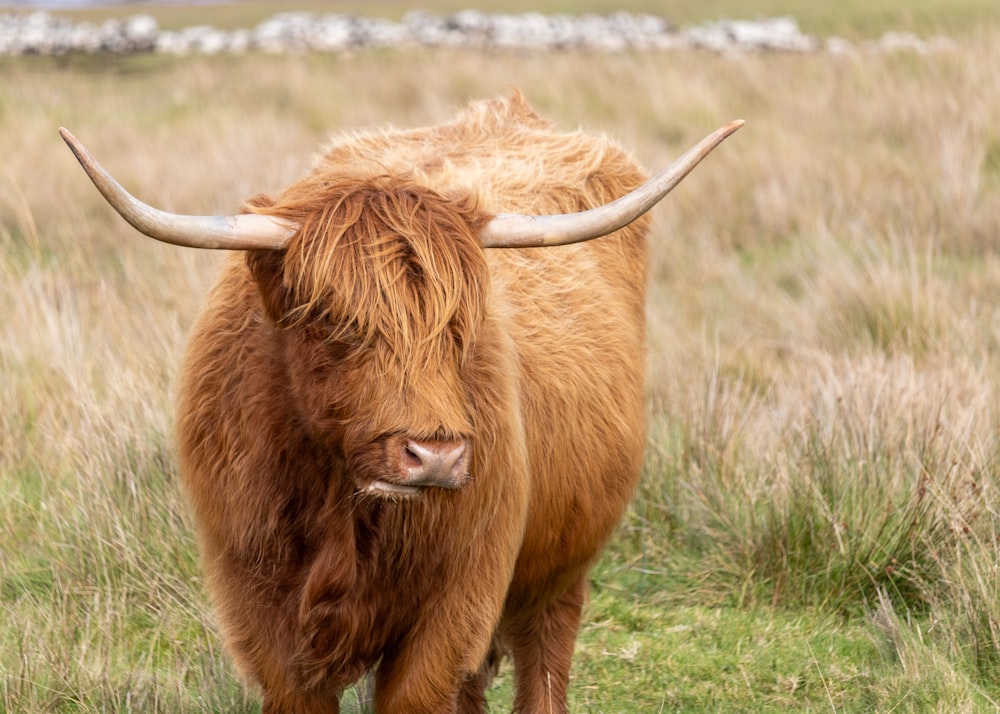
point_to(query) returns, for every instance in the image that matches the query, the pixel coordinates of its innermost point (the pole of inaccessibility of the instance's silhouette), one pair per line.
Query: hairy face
(379, 299)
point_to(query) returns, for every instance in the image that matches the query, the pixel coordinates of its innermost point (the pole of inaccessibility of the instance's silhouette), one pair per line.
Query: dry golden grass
(824, 346)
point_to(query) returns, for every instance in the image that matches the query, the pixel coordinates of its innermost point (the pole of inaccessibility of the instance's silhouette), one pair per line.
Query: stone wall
(43, 33)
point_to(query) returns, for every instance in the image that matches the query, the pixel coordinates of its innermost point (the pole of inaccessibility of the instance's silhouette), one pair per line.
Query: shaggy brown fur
(384, 321)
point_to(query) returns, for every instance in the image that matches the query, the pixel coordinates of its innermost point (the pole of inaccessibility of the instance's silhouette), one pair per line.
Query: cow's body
(536, 356)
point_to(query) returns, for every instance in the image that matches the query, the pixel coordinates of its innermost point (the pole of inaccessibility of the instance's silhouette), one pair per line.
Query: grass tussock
(817, 525)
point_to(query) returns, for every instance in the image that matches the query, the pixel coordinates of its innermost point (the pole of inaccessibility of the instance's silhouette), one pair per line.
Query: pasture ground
(817, 528)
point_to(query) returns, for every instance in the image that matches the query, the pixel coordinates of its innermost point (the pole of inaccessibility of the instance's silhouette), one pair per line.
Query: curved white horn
(513, 230)
(239, 232)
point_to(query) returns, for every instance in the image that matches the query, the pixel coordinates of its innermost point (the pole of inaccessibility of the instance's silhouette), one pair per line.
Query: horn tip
(73, 143)
(733, 126)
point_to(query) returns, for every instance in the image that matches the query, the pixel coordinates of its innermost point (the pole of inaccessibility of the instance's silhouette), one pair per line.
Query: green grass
(693, 658)
(103, 593)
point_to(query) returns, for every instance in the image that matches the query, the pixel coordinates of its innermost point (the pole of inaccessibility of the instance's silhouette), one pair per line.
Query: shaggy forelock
(383, 259)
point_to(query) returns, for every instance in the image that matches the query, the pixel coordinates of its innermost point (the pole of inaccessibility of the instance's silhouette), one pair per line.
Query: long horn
(513, 230)
(240, 232)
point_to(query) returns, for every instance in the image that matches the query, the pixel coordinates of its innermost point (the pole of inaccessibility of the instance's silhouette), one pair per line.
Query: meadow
(817, 525)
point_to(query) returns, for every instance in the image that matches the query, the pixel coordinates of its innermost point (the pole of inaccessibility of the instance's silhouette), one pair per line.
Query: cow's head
(380, 295)
(378, 288)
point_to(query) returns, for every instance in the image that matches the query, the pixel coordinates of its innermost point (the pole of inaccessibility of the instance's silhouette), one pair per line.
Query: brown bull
(405, 451)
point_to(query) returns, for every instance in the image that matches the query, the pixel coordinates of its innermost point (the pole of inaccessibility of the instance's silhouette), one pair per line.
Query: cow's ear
(268, 269)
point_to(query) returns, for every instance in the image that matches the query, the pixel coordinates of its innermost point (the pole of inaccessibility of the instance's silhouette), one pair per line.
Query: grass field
(817, 527)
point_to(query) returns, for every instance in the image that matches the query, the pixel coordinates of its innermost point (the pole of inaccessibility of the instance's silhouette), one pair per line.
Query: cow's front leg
(542, 646)
(300, 703)
(472, 696)
(430, 668)
(427, 672)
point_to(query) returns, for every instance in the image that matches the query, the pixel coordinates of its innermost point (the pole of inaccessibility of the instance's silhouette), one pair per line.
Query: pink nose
(434, 463)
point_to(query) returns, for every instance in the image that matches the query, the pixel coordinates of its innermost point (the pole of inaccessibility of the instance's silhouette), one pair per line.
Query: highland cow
(404, 447)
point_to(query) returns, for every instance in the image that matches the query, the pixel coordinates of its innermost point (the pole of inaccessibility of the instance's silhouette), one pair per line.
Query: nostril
(434, 462)
(410, 458)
